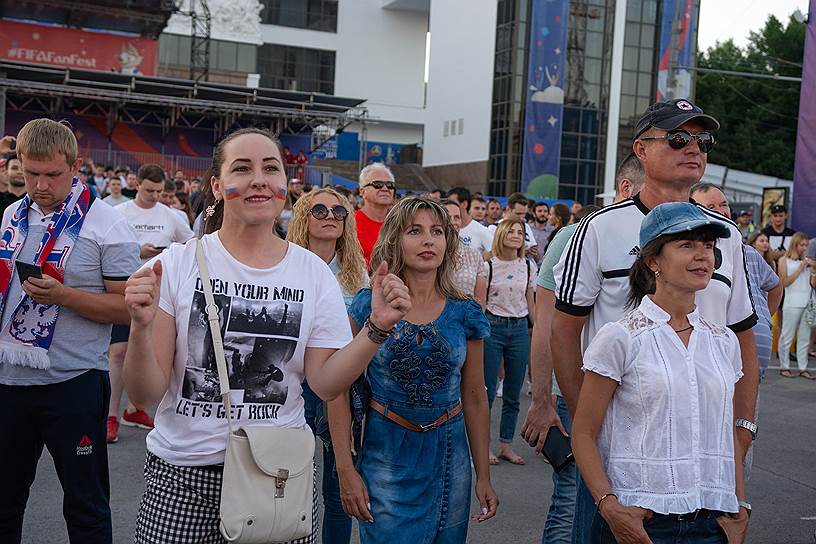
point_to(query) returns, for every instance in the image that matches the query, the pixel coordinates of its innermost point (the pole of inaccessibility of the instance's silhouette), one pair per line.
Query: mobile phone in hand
(28, 270)
(557, 449)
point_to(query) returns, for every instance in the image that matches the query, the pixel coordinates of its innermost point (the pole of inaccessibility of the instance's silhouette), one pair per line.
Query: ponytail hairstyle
(642, 279)
(213, 223)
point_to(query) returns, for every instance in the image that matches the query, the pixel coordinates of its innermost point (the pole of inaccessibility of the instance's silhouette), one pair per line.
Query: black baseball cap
(671, 114)
(779, 208)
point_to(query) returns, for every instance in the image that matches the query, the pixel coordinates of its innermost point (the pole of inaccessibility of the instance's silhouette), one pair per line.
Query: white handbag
(268, 486)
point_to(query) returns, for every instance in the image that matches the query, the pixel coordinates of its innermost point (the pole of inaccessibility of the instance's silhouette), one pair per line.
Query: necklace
(683, 330)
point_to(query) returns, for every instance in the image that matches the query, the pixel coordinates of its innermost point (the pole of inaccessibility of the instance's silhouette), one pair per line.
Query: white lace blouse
(667, 442)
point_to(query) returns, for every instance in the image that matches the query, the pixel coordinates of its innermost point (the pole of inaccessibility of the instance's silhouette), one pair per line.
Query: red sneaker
(113, 430)
(139, 418)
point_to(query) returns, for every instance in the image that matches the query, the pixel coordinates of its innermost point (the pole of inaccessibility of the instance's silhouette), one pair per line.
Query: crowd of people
(389, 325)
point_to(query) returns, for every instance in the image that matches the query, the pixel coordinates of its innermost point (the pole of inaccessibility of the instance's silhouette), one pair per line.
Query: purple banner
(545, 98)
(677, 37)
(804, 168)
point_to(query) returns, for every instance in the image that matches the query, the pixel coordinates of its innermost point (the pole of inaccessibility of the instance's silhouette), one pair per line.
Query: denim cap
(675, 217)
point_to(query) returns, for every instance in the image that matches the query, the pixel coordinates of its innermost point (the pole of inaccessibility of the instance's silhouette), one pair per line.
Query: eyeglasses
(320, 211)
(381, 185)
(678, 139)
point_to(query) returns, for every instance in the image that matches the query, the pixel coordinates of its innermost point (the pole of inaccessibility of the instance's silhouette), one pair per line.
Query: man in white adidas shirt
(671, 142)
(517, 208)
(156, 226)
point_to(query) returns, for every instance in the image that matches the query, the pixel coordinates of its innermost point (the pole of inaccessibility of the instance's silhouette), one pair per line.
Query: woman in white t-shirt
(653, 433)
(510, 284)
(796, 275)
(282, 319)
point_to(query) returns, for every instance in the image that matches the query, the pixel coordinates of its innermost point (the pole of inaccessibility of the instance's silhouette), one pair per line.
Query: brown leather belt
(402, 422)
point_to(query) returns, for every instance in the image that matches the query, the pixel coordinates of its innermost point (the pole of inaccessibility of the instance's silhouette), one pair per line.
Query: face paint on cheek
(280, 193)
(231, 192)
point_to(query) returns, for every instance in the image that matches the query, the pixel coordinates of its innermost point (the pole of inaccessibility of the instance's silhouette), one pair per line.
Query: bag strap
(215, 330)
(489, 279)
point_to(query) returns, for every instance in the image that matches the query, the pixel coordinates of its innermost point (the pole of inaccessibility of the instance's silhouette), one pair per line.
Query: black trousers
(69, 419)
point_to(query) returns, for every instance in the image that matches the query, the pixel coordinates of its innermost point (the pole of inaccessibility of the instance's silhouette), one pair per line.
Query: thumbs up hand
(142, 294)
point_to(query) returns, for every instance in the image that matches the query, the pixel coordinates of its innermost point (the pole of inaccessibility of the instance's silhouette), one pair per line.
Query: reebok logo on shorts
(85, 446)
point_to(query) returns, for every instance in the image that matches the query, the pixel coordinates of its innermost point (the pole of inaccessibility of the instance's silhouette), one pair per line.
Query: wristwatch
(750, 426)
(747, 507)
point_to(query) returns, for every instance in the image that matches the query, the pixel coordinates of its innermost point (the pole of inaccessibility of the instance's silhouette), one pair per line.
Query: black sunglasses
(382, 185)
(320, 211)
(678, 139)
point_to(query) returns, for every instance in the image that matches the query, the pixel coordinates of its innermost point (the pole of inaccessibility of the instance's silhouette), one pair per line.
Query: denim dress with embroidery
(419, 483)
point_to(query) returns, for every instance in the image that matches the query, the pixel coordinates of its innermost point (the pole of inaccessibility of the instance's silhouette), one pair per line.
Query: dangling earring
(210, 211)
(657, 273)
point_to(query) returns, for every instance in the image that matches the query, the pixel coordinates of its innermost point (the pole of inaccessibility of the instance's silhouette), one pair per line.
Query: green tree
(758, 116)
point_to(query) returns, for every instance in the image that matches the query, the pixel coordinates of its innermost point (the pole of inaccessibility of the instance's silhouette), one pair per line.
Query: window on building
(174, 51)
(296, 68)
(308, 14)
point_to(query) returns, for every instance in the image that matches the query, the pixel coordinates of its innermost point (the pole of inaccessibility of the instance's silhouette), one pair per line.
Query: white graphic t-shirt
(268, 318)
(159, 225)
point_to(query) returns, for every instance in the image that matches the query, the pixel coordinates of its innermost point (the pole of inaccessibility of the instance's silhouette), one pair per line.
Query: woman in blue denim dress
(428, 407)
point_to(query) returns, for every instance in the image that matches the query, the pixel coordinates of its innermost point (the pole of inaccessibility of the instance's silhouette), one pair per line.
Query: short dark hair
(584, 211)
(538, 204)
(462, 194)
(169, 186)
(151, 172)
(492, 200)
(516, 198)
(8, 157)
(440, 191)
(702, 187)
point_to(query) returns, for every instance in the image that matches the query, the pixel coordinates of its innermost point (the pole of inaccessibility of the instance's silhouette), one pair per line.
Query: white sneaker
(500, 389)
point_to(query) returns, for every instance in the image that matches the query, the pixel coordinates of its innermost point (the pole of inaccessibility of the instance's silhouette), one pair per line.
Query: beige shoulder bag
(268, 488)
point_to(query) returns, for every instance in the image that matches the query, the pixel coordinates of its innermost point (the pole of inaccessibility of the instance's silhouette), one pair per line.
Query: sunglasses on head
(678, 139)
(382, 185)
(320, 211)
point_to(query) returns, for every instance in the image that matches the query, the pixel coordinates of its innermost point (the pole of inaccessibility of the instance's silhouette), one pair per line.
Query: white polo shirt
(592, 276)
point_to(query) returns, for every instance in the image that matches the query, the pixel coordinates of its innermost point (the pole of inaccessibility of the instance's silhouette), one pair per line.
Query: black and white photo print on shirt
(260, 336)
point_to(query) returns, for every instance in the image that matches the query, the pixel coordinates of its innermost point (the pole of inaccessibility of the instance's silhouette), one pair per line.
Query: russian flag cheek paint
(280, 193)
(231, 192)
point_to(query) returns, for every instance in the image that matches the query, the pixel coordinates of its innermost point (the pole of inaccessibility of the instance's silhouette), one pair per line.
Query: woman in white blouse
(653, 434)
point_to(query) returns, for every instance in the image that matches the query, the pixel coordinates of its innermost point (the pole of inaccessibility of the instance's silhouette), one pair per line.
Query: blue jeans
(668, 530)
(584, 513)
(508, 340)
(336, 523)
(558, 527)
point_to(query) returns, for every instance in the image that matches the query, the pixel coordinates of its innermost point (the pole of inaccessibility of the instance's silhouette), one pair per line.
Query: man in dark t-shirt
(777, 231)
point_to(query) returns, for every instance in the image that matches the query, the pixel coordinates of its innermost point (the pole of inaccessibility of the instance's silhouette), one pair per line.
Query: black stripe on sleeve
(619, 273)
(744, 325)
(572, 309)
(115, 278)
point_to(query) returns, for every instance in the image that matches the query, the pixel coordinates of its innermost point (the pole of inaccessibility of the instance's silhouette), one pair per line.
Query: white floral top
(667, 442)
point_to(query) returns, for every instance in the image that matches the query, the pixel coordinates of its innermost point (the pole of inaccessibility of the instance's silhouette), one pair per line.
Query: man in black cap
(672, 142)
(777, 231)
(745, 224)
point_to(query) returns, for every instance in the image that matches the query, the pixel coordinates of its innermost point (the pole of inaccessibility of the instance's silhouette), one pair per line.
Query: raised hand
(142, 294)
(390, 299)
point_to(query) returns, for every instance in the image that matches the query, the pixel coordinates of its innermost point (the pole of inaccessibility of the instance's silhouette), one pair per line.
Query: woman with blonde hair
(322, 222)
(510, 279)
(428, 409)
(798, 276)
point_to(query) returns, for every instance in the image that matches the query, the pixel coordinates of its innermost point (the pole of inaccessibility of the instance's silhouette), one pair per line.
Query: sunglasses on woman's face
(320, 211)
(382, 185)
(678, 139)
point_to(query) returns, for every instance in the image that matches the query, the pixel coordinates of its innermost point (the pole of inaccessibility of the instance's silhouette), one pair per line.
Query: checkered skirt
(181, 505)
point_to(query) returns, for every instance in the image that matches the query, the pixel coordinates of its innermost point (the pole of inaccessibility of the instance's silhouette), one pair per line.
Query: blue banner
(545, 98)
(804, 168)
(678, 31)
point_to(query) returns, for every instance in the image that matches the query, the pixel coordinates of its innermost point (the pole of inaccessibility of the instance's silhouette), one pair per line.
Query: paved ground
(782, 489)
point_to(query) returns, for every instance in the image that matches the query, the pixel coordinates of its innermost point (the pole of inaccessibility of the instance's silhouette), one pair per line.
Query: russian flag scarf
(31, 328)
